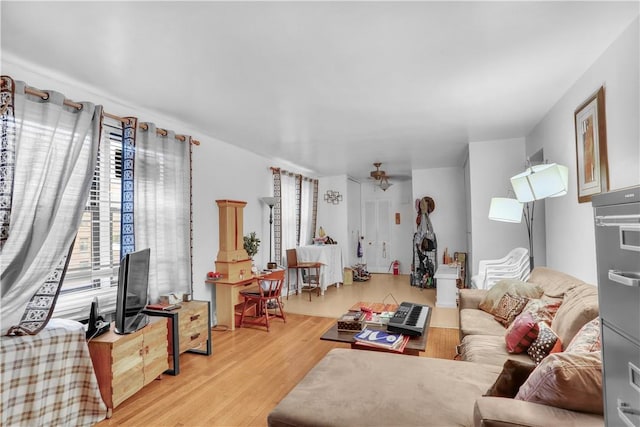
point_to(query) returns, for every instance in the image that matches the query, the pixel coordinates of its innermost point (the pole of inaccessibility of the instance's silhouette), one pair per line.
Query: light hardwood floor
(249, 372)
(380, 287)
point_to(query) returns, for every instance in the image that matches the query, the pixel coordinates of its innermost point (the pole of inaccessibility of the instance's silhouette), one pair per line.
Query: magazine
(380, 339)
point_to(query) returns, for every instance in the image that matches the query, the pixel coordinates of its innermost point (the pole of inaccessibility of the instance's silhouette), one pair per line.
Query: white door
(377, 235)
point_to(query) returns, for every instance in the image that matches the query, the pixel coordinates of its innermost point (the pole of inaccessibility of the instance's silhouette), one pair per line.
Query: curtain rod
(69, 103)
(282, 171)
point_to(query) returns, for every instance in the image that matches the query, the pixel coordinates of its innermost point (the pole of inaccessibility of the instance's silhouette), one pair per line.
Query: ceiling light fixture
(385, 184)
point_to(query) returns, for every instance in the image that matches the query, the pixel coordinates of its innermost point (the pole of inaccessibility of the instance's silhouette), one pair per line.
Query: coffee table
(413, 348)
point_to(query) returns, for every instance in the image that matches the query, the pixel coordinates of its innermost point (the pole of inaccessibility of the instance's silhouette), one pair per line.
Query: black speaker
(97, 325)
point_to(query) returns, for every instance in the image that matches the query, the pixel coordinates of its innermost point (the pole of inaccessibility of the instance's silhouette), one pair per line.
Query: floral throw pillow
(547, 342)
(543, 309)
(508, 308)
(587, 339)
(521, 333)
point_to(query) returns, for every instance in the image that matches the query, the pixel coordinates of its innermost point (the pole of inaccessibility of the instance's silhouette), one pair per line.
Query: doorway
(377, 235)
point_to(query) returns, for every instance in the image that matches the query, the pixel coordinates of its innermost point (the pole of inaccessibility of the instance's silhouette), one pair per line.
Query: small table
(447, 289)
(330, 256)
(413, 348)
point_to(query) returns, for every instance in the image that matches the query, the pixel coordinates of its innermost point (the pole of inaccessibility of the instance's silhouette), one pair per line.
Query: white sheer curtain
(306, 212)
(162, 213)
(48, 157)
(288, 212)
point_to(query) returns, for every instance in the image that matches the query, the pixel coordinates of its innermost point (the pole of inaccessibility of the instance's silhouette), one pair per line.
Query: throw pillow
(514, 287)
(543, 309)
(566, 380)
(587, 339)
(521, 333)
(514, 374)
(508, 308)
(546, 343)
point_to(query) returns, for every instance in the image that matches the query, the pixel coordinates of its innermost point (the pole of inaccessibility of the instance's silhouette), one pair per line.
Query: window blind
(93, 267)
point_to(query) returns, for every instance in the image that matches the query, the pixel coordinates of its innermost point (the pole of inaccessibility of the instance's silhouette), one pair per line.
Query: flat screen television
(133, 290)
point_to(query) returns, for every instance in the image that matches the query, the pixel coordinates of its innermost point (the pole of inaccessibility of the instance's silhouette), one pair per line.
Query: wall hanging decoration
(591, 147)
(332, 196)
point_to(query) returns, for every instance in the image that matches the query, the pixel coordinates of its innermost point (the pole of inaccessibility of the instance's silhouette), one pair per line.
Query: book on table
(381, 339)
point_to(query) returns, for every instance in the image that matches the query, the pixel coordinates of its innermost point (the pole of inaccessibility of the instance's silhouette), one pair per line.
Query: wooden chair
(310, 270)
(269, 290)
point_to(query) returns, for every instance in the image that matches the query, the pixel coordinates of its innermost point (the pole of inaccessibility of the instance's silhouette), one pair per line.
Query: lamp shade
(385, 184)
(505, 210)
(270, 201)
(541, 181)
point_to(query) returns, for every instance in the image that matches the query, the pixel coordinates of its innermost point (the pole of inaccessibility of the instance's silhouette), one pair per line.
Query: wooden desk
(227, 297)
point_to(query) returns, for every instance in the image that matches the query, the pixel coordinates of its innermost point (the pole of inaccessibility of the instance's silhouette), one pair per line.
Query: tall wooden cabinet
(126, 363)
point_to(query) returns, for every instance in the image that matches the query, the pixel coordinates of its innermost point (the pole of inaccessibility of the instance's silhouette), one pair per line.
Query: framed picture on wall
(591, 147)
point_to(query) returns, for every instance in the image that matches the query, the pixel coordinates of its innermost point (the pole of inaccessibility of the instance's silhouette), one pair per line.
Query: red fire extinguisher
(396, 267)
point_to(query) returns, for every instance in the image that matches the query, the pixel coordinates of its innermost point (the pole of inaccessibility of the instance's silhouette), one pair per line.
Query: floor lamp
(271, 202)
(511, 210)
(535, 183)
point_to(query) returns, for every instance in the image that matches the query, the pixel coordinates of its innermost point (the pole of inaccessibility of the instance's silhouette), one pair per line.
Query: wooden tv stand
(126, 363)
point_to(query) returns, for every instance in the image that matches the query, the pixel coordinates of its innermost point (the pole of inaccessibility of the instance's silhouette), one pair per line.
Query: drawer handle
(194, 336)
(195, 317)
(623, 410)
(623, 278)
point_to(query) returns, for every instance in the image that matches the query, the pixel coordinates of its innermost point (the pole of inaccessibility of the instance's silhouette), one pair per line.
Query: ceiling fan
(381, 177)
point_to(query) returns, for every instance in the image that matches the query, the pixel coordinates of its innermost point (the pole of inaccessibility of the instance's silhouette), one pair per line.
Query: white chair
(513, 266)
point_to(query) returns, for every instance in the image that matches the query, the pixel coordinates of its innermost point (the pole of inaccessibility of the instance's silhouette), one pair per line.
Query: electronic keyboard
(409, 319)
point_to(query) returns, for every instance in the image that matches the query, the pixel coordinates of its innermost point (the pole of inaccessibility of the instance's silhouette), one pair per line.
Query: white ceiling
(329, 86)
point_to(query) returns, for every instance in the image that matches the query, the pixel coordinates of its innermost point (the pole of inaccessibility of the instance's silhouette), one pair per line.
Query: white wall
(491, 164)
(354, 221)
(333, 218)
(569, 224)
(449, 218)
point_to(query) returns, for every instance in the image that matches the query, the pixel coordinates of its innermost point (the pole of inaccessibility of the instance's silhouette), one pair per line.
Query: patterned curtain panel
(162, 212)
(127, 225)
(289, 211)
(277, 218)
(308, 201)
(49, 153)
(295, 214)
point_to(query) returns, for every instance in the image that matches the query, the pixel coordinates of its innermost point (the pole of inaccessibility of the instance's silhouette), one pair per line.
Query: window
(93, 266)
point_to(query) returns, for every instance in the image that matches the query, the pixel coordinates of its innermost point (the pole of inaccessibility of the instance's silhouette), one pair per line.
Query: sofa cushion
(513, 375)
(355, 387)
(587, 339)
(489, 350)
(508, 308)
(478, 322)
(566, 380)
(580, 306)
(553, 282)
(543, 309)
(546, 343)
(514, 287)
(521, 333)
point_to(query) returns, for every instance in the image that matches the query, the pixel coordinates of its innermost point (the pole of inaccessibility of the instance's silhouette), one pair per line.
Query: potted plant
(251, 245)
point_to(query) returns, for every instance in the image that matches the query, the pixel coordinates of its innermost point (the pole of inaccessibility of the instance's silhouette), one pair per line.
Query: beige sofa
(357, 388)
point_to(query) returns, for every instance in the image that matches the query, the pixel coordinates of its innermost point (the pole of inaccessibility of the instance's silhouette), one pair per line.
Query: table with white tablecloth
(330, 256)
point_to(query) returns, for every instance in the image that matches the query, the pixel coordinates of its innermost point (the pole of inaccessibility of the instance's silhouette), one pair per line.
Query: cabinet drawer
(193, 325)
(621, 362)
